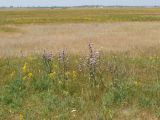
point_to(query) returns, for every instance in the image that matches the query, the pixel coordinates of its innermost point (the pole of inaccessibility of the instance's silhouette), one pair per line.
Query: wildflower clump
(93, 59)
(47, 58)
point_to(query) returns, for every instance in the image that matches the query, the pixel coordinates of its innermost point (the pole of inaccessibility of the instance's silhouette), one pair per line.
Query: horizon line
(36, 6)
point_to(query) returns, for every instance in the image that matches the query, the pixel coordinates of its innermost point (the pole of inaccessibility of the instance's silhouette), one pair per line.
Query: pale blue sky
(79, 2)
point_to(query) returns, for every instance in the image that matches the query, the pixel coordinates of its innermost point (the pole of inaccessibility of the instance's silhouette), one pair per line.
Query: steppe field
(80, 64)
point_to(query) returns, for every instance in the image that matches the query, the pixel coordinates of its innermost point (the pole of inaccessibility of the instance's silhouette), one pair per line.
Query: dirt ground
(75, 37)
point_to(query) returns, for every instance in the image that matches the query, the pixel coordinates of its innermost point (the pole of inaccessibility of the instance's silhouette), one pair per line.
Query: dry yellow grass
(74, 37)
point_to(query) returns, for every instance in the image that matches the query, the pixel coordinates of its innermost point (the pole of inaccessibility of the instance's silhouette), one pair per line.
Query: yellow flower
(137, 83)
(52, 75)
(24, 78)
(25, 68)
(74, 74)
(21, 116)
(30, 75)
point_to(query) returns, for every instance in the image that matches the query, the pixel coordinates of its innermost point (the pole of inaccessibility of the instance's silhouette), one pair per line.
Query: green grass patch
(114, 86)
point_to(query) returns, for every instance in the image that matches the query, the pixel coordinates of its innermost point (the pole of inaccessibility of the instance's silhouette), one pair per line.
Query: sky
(79, 2)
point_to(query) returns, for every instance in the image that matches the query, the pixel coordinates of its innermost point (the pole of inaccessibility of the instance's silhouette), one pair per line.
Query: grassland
(117, 29)
(41, 16)
(117, 78)
(107, 87)
(109, 37)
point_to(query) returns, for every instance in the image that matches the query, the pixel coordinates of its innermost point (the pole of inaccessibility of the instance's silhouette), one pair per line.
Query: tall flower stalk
(93, 59)
(48, 57)
(63, 63)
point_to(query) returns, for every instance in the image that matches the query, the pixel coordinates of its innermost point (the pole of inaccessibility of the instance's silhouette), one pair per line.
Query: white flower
(73, 110)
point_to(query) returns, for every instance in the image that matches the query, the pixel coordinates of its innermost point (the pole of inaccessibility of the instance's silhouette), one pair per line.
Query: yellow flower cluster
(26, 72)
(30, 75)
(24, 67)
(24, 78)
(72, 74)
(52, 75)
(21, 116)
